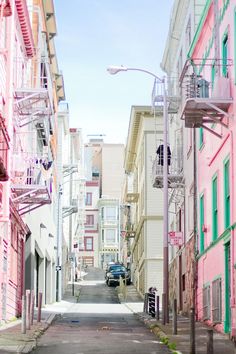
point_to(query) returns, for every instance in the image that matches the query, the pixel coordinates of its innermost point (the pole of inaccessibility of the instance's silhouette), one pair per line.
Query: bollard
(151, 303)
(174, 322)
(210, 341)
(32, 307)
(28, 305)
(163, 309)
(145, 304)
(39, 306)
(157, 307)
(23, 314)
(192, 331)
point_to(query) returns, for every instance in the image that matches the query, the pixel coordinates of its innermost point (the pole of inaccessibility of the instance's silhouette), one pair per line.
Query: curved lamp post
(114, 70)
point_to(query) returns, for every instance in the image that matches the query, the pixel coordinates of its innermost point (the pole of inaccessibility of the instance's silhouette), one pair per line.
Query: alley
(98, 324)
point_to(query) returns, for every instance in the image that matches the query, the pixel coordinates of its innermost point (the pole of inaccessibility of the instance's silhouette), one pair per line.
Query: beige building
(145, 130)
(104, 165)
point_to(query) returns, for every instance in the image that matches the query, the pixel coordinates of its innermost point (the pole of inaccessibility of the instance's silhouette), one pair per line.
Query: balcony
(30, 184)
(206, 102)
(33, 95)
(175, 171)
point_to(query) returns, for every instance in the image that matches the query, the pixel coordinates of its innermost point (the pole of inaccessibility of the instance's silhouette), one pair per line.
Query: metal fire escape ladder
(30, 197)
(32, 104)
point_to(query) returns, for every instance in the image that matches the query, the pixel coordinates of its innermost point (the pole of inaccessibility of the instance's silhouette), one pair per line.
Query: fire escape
(32, 160)
(206, 99)
(175, 156)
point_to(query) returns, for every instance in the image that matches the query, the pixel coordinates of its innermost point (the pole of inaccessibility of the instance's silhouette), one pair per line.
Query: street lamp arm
(115, 69)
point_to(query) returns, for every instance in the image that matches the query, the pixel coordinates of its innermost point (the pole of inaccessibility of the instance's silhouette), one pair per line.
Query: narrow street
(98, 324)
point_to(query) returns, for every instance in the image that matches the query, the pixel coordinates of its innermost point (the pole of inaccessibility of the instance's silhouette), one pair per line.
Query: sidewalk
(13, 341)
(222, 344)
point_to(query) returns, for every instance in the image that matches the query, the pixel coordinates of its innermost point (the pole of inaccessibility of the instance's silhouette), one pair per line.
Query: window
(102, 235)
(216, 301)
(110, 236)
(201, 137)
(88, 243)
(213, 72)
(227, 194)
(214, 209)
(111, 213)
(206, 302)
(225, 55)
(89, 221)
(88, 200)
(202, 223)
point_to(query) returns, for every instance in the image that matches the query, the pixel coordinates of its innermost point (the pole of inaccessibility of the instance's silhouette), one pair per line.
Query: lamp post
(114, 70)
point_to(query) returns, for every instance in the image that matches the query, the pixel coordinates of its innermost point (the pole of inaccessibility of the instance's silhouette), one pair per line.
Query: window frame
(227, 192)
(86, 238)
(214, 207)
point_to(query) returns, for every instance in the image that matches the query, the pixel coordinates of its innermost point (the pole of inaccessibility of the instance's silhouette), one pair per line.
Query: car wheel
(108, 283)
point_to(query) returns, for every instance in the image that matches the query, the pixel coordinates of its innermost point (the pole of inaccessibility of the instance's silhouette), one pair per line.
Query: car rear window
(116, 268)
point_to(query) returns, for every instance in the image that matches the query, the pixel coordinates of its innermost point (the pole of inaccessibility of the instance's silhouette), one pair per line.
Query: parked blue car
(114, 272)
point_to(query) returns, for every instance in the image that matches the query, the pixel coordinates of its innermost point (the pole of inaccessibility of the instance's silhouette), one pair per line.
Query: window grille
(207, 303)
(216, 301)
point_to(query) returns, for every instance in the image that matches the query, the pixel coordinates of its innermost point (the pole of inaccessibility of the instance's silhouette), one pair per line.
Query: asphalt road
(98, 324)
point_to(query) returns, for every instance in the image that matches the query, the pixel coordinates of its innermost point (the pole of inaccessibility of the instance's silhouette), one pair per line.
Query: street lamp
(114, 70)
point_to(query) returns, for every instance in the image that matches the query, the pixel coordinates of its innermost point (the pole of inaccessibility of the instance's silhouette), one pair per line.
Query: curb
(153, 326)
(29, 347)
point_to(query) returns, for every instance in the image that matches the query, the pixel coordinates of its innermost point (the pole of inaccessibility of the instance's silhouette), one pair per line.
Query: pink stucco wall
(211, 158)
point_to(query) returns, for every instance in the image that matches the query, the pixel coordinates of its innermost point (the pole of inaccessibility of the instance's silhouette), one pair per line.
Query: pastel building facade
(183, 24)
(146, 202)
(210, 108)
(31, 87)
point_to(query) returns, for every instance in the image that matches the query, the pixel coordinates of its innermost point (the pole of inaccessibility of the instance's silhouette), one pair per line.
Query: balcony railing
(175, 170)
(206, 92)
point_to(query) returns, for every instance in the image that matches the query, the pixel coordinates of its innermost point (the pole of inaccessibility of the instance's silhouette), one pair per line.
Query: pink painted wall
(210, 162)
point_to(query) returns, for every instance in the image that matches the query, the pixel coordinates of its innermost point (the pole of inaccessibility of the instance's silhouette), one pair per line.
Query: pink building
(209, 79)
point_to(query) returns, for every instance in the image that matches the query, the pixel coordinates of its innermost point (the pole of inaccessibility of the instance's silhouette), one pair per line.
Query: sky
(93, 34)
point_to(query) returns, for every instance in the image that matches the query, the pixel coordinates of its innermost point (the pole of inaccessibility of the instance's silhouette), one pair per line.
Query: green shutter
(225, 55)
(200, 137)
(226, 194)
(214, 209)
(201, 223)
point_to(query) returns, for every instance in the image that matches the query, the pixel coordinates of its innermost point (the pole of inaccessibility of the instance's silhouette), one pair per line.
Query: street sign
(58, 267)
(176, 238)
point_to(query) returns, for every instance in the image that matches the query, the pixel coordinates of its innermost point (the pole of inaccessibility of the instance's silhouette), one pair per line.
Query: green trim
(214, 207)
(225, 237)
(206, 285)
(201, 138)
(225, 53)
(199, 28)
(217, 277)
(226, 192)
(202, 235)
(227, 289)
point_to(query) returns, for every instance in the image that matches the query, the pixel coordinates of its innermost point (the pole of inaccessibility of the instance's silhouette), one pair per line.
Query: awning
(25, 25)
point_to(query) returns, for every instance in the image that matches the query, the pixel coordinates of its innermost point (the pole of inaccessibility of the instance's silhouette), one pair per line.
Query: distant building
(104, 165)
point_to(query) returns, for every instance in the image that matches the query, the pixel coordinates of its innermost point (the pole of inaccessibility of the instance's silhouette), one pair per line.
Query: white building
(145, 130)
